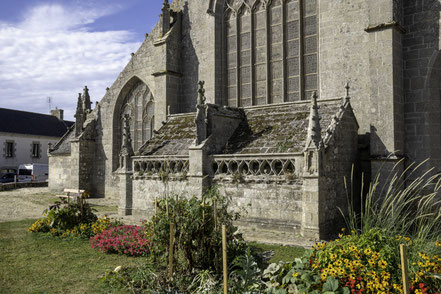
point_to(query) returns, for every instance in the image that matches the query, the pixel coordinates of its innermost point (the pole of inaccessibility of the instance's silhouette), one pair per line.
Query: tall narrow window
(276, 52)
(260, 53)
(293, 50)
(148, 121)
(231, 28)
(9, 149)
(35, 150)
(245, 58)
(310, 56)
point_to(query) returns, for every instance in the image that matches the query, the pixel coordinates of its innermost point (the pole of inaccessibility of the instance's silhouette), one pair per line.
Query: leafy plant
(197, 225)
(245, 276)
(406, 205)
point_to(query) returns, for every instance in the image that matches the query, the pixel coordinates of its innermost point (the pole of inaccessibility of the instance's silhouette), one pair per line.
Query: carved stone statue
(201, 115)
(126, 148)
(201, 93)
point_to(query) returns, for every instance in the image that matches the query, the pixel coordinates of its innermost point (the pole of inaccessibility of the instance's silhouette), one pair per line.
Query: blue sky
(52, 48)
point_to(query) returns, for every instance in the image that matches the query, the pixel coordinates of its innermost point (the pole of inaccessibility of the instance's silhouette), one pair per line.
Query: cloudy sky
(52, 48)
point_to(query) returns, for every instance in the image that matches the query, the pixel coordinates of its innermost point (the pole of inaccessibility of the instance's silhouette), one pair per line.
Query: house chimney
(58, 113)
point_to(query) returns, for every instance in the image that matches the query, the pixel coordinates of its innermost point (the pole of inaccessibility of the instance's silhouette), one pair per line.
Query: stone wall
(146, 189)
(422, 73)
(273, 210)
(61, 173)
(338, 163)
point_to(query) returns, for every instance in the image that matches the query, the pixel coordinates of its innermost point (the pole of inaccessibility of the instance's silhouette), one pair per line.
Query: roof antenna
(49, 102)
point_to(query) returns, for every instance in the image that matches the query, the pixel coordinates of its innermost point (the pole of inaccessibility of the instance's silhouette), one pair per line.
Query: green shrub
(197, 230)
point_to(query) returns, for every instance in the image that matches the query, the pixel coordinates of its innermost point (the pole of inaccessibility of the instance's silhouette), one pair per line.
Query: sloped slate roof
(278, 129)
(174, 138)
(29, 123)
(63, 146)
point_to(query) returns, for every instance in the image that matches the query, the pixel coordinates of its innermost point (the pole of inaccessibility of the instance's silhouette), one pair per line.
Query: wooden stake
(170, 251)
(224, 258)
(404, 269)
(156, 206)
(215, 214)
(216, 261)
(166, 206)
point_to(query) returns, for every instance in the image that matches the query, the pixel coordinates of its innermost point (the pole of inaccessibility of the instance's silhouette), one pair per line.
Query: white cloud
(52, 53)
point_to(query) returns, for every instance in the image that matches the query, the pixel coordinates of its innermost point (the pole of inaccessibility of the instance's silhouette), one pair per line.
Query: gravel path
(29, 203)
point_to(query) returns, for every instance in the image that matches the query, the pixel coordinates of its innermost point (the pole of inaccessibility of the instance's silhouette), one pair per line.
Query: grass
(281, 253)
(35, 263)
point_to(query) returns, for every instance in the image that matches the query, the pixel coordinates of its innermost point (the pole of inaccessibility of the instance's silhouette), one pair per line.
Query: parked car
(7, 178)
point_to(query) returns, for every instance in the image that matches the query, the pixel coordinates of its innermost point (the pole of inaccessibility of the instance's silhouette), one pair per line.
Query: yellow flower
(438, 243)
(375, 255)
(323, 276)
(382, 263)
(368, 251)
(333, 256)
(295, 274)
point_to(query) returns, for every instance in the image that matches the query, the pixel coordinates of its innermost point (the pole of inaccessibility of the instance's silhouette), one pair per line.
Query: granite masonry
(272, 101)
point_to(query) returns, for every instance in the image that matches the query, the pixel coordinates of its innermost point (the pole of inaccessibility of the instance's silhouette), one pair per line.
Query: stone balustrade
(155, 164)
(274, 165)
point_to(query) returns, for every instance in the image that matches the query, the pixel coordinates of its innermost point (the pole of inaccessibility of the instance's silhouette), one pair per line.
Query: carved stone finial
(201, 93)
(79, 104)
(168, 110)
(165, 18)
(87, 107)
(347, 87)
(314, 139)
(107, 89)
(79, 116)
(132, 54)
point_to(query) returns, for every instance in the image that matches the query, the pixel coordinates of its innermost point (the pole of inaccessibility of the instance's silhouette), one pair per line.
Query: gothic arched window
(136, 105)
(271, 51)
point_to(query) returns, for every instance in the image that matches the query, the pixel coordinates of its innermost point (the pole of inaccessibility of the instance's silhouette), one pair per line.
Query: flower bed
(366, 263)
(128, 240)
(82, 230)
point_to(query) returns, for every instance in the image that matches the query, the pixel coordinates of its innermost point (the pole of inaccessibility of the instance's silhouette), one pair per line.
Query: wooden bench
(71, 194)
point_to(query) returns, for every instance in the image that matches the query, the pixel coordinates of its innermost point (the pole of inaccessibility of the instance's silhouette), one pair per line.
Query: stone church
(273, 101)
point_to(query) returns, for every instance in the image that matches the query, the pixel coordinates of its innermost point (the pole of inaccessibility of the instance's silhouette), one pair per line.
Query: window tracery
(271, 51)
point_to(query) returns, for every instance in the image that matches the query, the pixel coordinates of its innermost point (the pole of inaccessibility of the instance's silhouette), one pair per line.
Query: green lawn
(36, 263)
(281, 253)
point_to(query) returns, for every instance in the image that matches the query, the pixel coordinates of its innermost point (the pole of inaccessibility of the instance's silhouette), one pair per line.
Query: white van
(33, 172)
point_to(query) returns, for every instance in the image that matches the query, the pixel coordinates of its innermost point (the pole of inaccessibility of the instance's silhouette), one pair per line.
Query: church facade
(272, 101)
